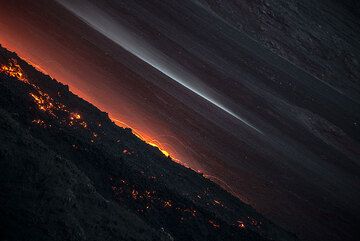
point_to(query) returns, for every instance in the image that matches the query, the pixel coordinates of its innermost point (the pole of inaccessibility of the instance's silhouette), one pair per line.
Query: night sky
(263, 97)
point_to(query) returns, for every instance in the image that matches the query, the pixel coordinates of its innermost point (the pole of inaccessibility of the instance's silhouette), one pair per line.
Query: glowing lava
(43, 100)
(151, 141)
(13, 69)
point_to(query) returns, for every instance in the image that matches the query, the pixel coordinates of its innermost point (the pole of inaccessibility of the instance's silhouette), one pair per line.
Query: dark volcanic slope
(67, 172)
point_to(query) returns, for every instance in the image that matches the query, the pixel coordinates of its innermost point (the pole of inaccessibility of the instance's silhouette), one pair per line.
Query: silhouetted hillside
(67, 172)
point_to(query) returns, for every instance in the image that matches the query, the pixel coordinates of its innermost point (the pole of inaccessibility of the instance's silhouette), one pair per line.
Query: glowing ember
(241, 224)
(163, 151)
(151, 142)
(13, 69)
(43, 101)
(75, 116)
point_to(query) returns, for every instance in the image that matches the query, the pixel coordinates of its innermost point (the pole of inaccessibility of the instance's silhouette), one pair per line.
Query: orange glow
(241, 224)
(37, 67)
(163, 151)
(124, 189)
(13, 69)
(150, 141)
(43, 101)
(75, 116)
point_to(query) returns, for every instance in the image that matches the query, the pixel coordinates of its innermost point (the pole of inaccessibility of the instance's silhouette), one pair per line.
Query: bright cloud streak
(103, 23)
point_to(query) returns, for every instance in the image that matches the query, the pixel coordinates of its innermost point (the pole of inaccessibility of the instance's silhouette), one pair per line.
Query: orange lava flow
(13, 69)
(43, 101)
